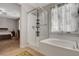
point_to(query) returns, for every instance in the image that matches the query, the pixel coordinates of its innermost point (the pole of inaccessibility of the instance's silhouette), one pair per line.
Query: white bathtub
(69, 44)
(58, 47)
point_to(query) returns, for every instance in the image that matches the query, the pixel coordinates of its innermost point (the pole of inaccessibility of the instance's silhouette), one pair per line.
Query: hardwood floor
(11, 48)
(8, 45)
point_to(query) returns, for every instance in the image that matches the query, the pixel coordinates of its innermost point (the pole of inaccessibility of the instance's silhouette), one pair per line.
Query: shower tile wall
(33, 39)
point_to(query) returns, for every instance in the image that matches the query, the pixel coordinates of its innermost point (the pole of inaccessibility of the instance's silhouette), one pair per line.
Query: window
(64, 18)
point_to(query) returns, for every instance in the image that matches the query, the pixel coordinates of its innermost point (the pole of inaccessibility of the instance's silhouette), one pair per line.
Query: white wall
(23, 25)
(9, 23)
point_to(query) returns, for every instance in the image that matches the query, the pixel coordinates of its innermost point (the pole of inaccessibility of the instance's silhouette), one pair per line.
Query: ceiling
(36, 5)
(14, 9)
(11, 9)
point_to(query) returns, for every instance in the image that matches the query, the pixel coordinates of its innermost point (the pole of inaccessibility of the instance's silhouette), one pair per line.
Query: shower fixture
(37, 24)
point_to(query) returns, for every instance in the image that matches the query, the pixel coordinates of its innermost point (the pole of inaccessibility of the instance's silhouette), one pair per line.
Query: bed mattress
(5, 35)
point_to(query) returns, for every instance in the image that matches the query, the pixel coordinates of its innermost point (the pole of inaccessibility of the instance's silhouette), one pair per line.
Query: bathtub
(68, 44)
(58, 47)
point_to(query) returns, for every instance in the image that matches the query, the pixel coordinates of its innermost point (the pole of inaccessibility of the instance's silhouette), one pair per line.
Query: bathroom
(54, 29)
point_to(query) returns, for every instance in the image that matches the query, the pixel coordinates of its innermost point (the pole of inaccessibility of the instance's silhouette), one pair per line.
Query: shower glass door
(32, 29)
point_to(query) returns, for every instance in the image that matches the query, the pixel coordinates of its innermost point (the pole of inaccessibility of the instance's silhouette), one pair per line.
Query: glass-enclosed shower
(37, 26)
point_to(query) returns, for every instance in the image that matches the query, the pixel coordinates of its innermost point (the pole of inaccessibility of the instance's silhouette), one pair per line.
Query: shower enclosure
(37, 27)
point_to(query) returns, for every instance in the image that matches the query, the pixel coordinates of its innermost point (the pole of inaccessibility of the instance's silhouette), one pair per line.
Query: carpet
(25, 53)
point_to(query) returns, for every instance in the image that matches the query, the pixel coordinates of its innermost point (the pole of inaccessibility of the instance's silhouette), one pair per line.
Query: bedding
(5, 34)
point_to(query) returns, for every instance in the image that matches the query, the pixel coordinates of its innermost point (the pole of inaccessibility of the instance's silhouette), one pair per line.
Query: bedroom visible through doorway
(9, 27)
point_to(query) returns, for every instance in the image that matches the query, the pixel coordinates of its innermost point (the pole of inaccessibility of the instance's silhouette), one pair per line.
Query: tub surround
(60, 43)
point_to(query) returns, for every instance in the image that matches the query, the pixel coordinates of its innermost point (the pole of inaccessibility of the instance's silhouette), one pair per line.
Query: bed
(5, 34)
